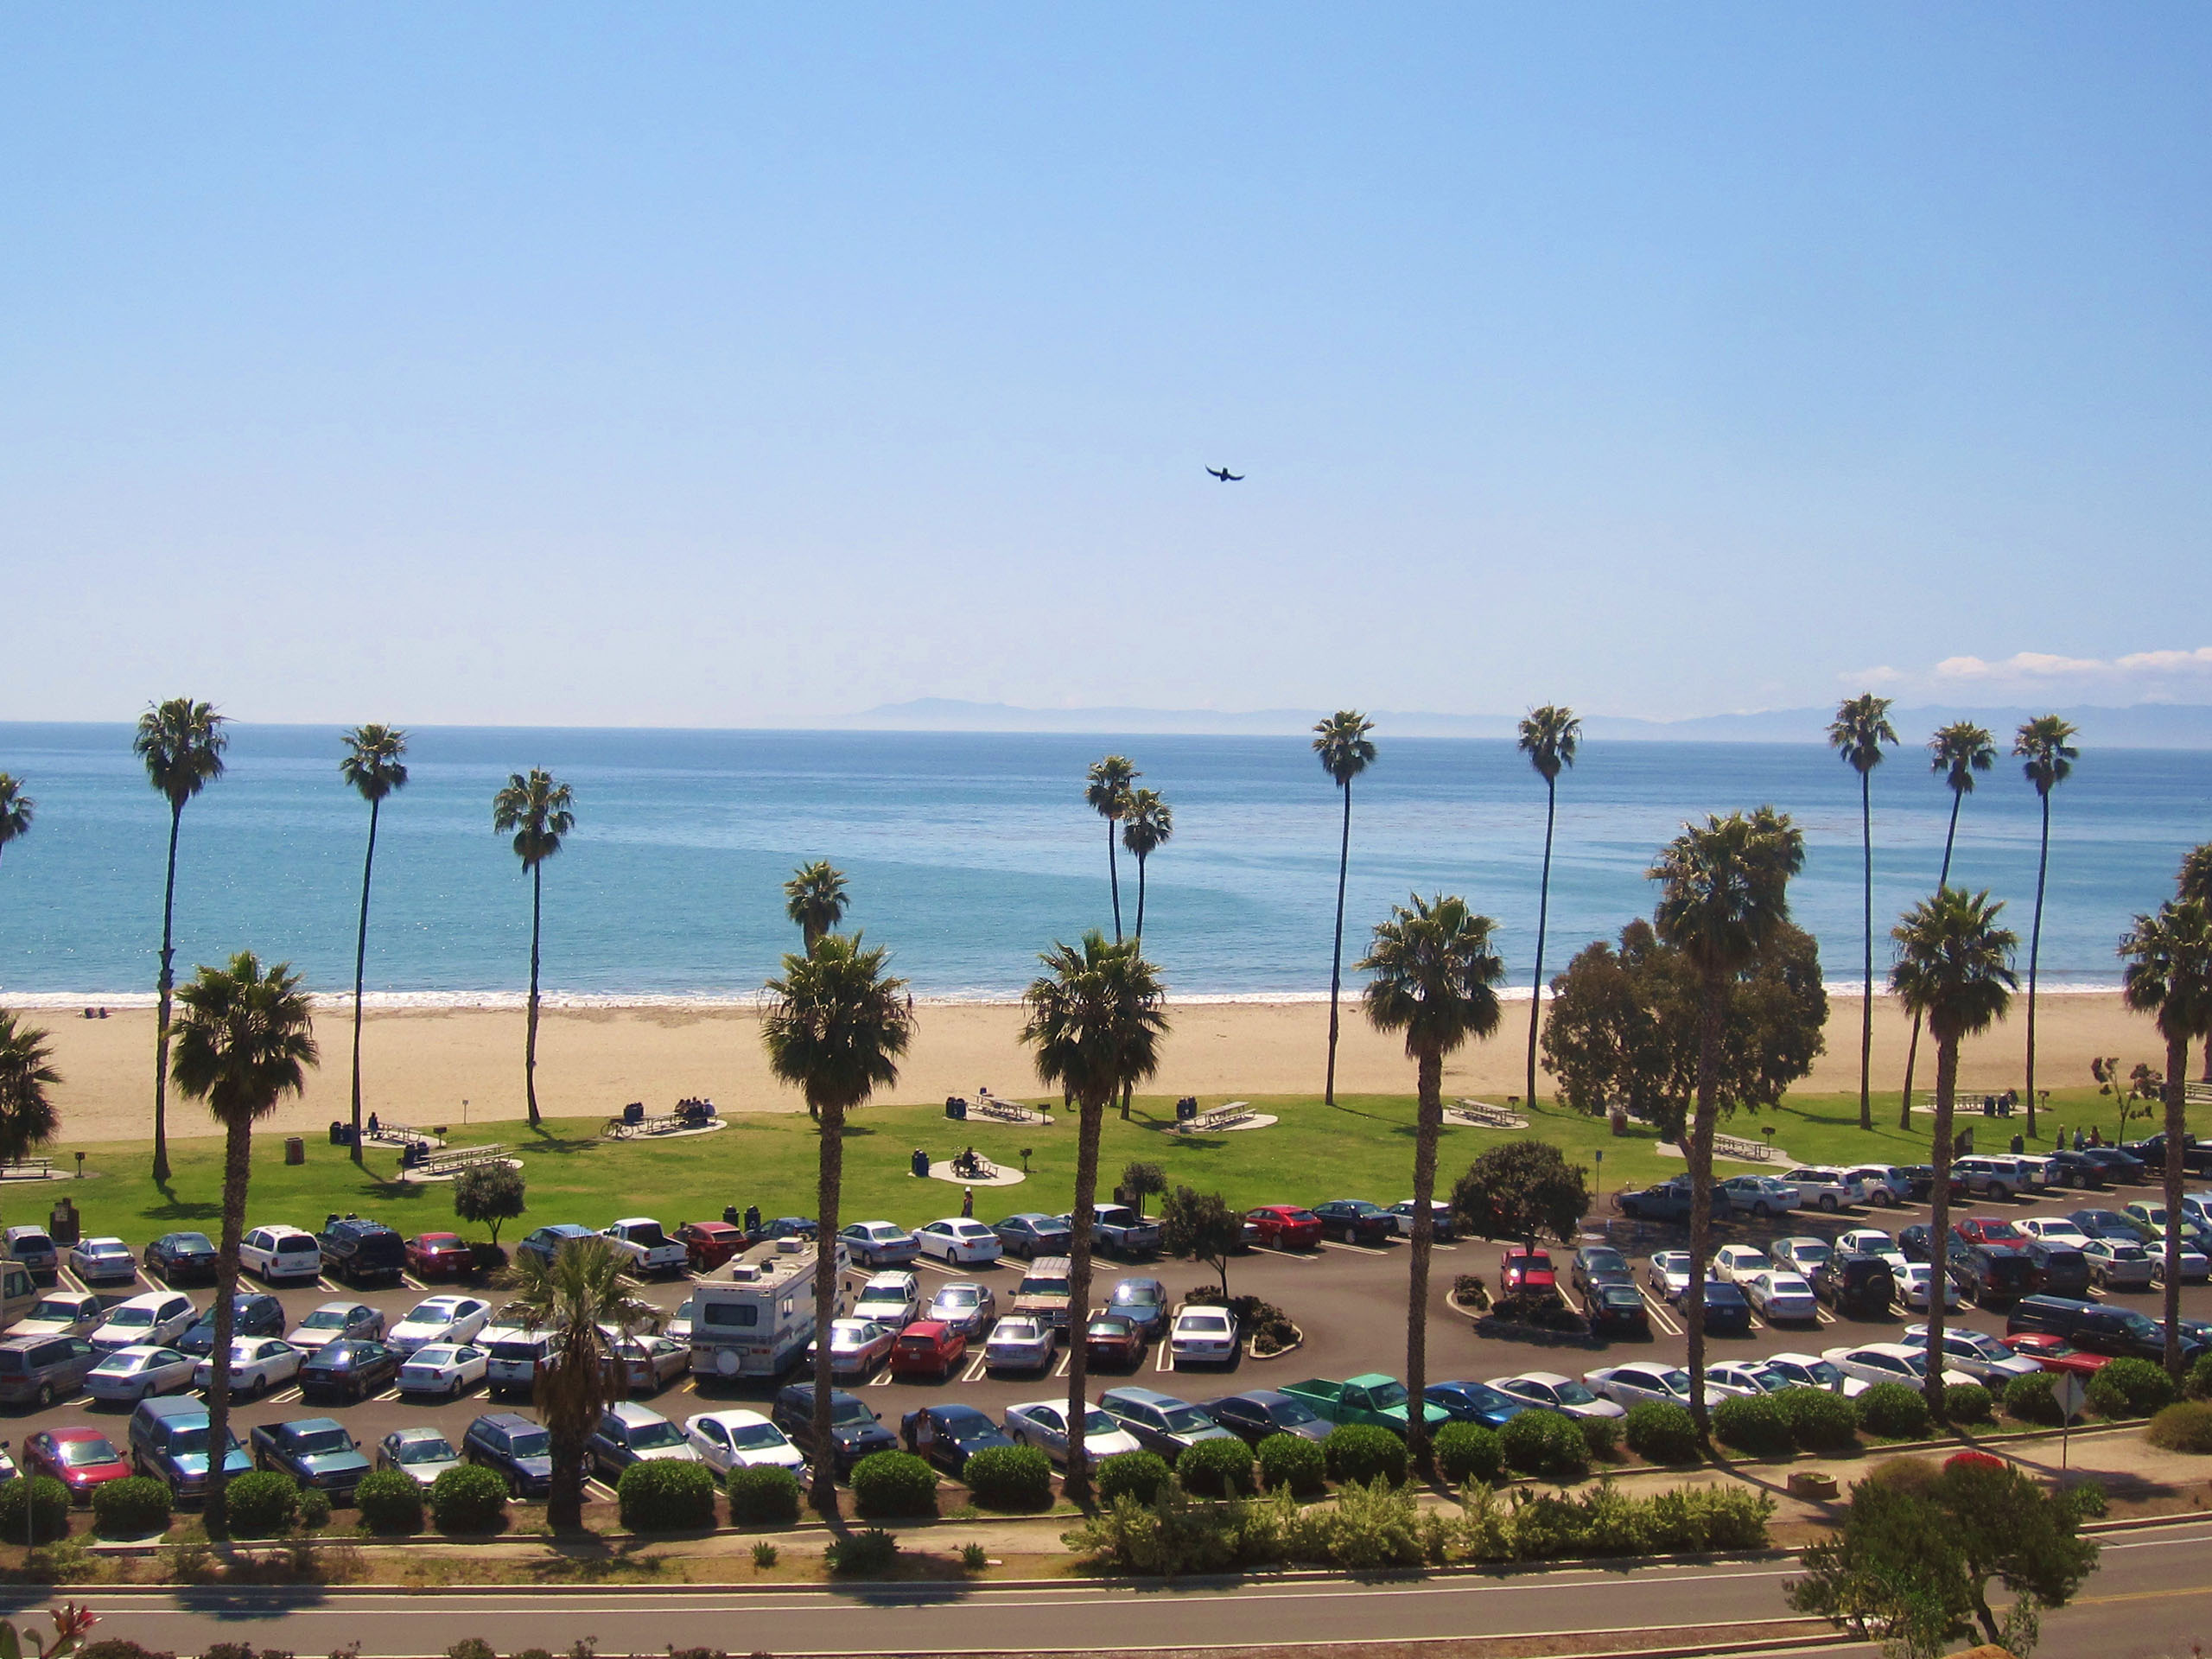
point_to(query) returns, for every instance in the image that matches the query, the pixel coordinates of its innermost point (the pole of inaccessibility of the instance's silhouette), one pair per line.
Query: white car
(2192, 1267)
(336, 1322)
(1806, 1371)
(1872, 1241)
(1749, 1375)
(441, 1319)
(1978, 1354)
(1830, 1188)
(879, 1243)
(1780, 1298)
(649, 1249)
(1913, 1281)
(155, 1319)
(257, 1365)
(1884, 1184)
(968, 1307)
(274, 1253)
(444, 1369)
(1669, 1273)
(1559, 1393)
(1634, 1385)
(1203, 1336)
(133, 1373)
(679, 1323)
(958, 1242)
(857, 1346)
(2053, 1230)
(891, 1299)
(1439, 1212)
(421, 1455)
(64, 1313)
(2114, 1263)
(1044, 1424)
(1738, 1262)
(727, 1439)
(1019, 1343)
(1888, 1362)
(103, 1261)
(1799, 1254)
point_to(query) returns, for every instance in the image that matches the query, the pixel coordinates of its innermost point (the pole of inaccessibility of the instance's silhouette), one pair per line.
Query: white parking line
(1662, 1316)
(1363, 1249)
(598, 1488)
(70, 1280)
(412, 1282)
(288, 1397)
(1823, 1316)
(1306, 1256)
(975, 1371)
(325, 1286)
(1163, 1360)
(1062, 1370)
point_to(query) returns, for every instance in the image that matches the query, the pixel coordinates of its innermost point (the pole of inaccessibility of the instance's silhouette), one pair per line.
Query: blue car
(313, 1451)
(1725, 1309)
(547, 1242)
(1474, 1403)
(514, 1448)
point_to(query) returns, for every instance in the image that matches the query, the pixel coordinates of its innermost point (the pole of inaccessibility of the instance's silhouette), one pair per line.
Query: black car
(350, 1368)
(362, 1252)
(2058, 1270)
(1913, 1242)
(856, 1430)
(2150, 1153)
(178, 1259)
(949, 1435)
(782, 1227)
(1920, 1179)
(1143, 1303)
(1859, 1285)
(1727, 1313)
(1598, 1264)
(1255, 1416)
(313, 1451)
(257, 1314)
(2076, 1169)
(1993, 1278)
(1616, 1305)
(2098, 1328)
(1355, 1221)
(1476, 1403)
(2109, 1224)
(516, 1449)
(2121, 1168)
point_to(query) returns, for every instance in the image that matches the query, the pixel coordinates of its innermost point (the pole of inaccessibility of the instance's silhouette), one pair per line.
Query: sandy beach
(420, 1066)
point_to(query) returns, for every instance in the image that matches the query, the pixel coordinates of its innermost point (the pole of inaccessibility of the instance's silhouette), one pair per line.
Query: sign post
(2071, 1397)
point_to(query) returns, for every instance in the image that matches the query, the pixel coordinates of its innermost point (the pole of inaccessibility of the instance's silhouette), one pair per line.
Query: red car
(710, 1242)
(1520, 1267)
(1994, 1231)
(928, 1348)
(2055, 1354)
(1110, 1339)
(81, 1458)
(1285, 1226)
(440, 1255)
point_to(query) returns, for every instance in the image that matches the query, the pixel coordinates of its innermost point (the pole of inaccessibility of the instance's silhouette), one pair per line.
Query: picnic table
(451, 1160)
(1227, 1116)
(26, 1169)
(1734, 1145)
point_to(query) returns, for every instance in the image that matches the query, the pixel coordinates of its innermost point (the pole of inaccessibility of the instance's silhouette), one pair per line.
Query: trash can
(1186, 1109)
(295, 1149)
(61, 1224)
(921, 1162)
(336, 1133)
(2019, 1143)
(751, 1218)
(954, 1107)
(730, 1215)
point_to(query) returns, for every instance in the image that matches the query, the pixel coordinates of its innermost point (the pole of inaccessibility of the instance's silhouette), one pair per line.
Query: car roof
(506, 1419)
(892, 1278)
(406, 1436)
(1142, 1396)
(302, 1425)
(729, 1416)
(629, 1411)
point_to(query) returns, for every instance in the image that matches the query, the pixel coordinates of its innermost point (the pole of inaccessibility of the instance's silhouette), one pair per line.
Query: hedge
(766, 1496)
(1818, 1421)
(49, 1509)
(261, 1504)
(2185, 1427)
(895, 1483)
(1967, 1402)
(137, 1507)
(1894, 1412)
(1601, 1436)
(1010, 1477)
(1467, 1452)
(1754, 1424)
(314, 1509)
(2031, 1398)
(1131, 1474)
(869, 1552)
(1216, 1469)
(468, 1498)
(667, 1494)
(2130, 1388)
(1661, 1432)
(1293, 1463)
(1362, 1452)
(1546, 1443)
(390, 1501)
(2199, 1384)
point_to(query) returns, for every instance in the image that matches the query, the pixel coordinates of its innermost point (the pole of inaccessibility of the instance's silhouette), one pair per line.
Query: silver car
(966, 1306)
(1019, 1343)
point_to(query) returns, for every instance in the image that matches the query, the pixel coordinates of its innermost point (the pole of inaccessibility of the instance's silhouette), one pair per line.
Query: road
(2151, 1597)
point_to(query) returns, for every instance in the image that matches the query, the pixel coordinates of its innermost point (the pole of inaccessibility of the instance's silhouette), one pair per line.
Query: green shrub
(1661, 1432)
(1601, 1436)
(314, 1509)
(1546, 1443)
(764, 1553)
(118, 1647)
(1915, 1475)
(1603, 1519)
(468, 1498)
(1292, 1463)
(2130, 1388)
(1967, 1402)
(2184, 1426)
(895, 1483)
(1215, 1469)
(1754, 1424)
(47, 1498)
(261, 1504)
(1710, 1517)
(1010, 1477)
(1370, 1525)
(667, 1494)
(766, 1495)
(1894, 1411)
(1818, 1421)
(1139, 1475)
(1467, 1452)
(1362, 1452)
(2199, 1385)
(472, 1647)
(135, 1508)
(870, 1553)
(390, 1501)
(973, 1557)
(2030, 1400)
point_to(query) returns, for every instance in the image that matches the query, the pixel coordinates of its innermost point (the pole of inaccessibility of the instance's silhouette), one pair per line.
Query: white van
(516, 1356)
(757, 1322)
(275, 1254)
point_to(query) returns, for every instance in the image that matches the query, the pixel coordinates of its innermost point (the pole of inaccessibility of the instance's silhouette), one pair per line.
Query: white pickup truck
(649, 1249)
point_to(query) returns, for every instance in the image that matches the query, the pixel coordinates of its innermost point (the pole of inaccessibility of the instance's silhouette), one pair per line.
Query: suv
(34, 1247)
(856, 1430)
(1861, 1286)
(1670, 1201)
(275, 1253)
(39, 1370)
(1043, 1293)
(1830, 1188)
(168, 1441)
(511, 1447)
(630, 1434)
(362, 1252)
(1990, 1276)
(2098, 1328)
(516, 1356)
(1989, 1178)
(548, 1241)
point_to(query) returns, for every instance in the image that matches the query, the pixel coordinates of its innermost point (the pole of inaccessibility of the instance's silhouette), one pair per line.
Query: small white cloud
(1883, 675)
(2138, 675)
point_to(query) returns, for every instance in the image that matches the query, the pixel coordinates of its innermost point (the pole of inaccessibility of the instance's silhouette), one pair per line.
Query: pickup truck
(1374, 1399)
(1670, 1201)
(2196, 1155)
(1119, 1231)
(649, 1249)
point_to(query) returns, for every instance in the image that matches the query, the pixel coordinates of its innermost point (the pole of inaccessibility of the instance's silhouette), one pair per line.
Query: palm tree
(1954, 970)
(1341, 740)
(2169, 973)
(576, 1298)
(1106, 787)
(1432, 975)
(245, 1040)
(27, 1115)
(1723, 893)
(1150, 823)
(182, 743)
(815, 899)
(836, 1030)
(1860, 727)
(2197, 883)
(374, 764)
(1095, 1019)
(1549, 737)
(539, 812)
(16, 811)
(1958, 751)
(2047, 756)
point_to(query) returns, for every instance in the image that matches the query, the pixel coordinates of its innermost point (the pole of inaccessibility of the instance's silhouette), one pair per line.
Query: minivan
(18, 1291)
(275, 1253)
(516, 1356)
(39, 1370)
(169, 1440)
(34, 1248)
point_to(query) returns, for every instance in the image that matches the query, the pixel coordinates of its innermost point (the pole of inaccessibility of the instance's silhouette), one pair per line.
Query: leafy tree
(815, 900)
(1549, 737)
(537, 810)
(2047, 755)
(1149, 826)
(1106, 789)
(375, 764)
(1958, 751)
(16, 811)
(488, 1193)
(2169, 973)
(27, 1115)
(1522, 1190)
(1141, 1179)
(1345, 751)
(1202, 1226)
(182, 743)
(1861, 727)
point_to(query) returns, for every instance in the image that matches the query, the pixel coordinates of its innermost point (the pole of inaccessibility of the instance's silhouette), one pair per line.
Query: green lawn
(1361, 1148)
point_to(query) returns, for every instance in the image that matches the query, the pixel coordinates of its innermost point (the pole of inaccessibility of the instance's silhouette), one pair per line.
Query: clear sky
(730, 364)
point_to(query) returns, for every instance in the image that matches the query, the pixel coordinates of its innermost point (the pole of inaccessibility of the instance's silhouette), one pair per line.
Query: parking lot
(1348, 1300)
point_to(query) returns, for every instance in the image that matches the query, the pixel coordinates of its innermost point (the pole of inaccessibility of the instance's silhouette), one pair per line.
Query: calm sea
(968, 854)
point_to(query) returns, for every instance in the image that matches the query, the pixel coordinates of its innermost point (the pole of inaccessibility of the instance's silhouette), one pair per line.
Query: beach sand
(419, 1066)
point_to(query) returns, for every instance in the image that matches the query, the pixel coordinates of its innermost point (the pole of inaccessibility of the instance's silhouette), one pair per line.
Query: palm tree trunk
(1698, 1155)
(238, 1169)
(360, 969)
(1543, 918)
(529, 1045)
(1866, 1004)
(829, 1189)
(1427, 1126)
(1140, 934)
(162, 1017)
(2176, 1127)
(1337, 954)
(1939, 1221)
(1076, 1485)
(1113, 875)
(1912, 1049)
(2035, 952)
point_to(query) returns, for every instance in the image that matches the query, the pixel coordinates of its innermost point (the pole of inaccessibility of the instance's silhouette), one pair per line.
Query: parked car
(1520, 1269)
(891, 1299)
(514, 1448)
(1257, 1414)
(644, 1363)
(1118, 1230)
(155, 1319)
(1598, 1264)
(315, 1452)
(1629, 1386)
(1872, 1241)
(1556, 1393)
(1889, 1361)
(39, 1370)
(650, 1251)
(183, 1259)
(2076, 1169)
(351, 1368)
(34, 1248)
(1738, 1262)
(442, 1319)
(256, 1313)
(1990, 1178)
(64, 1313)
(1372, 1398)
(1143, 1303)
(629, 1434)
(1801, 1254)
(1885, 1185)
(1860, 1286)
(358, 1251)
(1747, 1376)
(1468, 1402)
(546, 1242)
(421, 1455)
(1761, 1195)
(1443, 1229)
(1670, 1201)
(1163, 1423)
(1669, 1271)
(1112, 1342)
(1286, 1227)
(678, 1324)
(2118, 1264)
(947, 1435)
(2059, 1268)
(1043, 1293)
(1203, 1335)
(1916, 1283)
(336, 1322)
(856, 1432)
(82, 1459)
(1356, 1221)
(1617, 1306)
(171, 1439)
(958, 1243)
(257, 1365)
(1830, 1190)
(1805, 1371)
(2055, 1353)
(733, 1438)
(281, 1254)
(103, 1261)
(1031, 1234)
(1726, 1311)
(1993, 1231)
(2054, 1229)
(709, 1244)
(440, 1255)
(1019, 1343)
(442, 1369)
(1992, 1277)
(1977, 1353)
(858, 1346)
(1044, 1424)
(1782, 1297)
(2098, 1328)
(2109, 1224)
(2190, 1265)
(928, 1348)
(2120, 1169)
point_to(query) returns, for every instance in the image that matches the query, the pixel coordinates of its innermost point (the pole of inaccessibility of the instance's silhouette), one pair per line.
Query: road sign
(2072, 1395)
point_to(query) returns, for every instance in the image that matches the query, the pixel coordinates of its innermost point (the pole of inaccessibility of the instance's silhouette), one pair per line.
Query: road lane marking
(975, 1371)
(1346, 1244)
(1063, 1368)
(412, 1282)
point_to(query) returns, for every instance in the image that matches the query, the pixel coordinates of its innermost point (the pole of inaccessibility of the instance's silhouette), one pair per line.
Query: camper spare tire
(726, 1362)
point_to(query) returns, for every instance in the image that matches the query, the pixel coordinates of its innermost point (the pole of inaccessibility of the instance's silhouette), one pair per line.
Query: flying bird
(1226, 475)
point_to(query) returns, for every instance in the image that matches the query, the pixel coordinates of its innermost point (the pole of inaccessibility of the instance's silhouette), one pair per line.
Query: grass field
(1361, 1148)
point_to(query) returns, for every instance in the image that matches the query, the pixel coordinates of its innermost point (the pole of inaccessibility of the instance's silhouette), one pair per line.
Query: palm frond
(243, 1039)
(1955, 963)
(1549, 737)
(1861, 727)
(539, 809)
(1342, 742)
(374, 760)
(1433, 972)
(182, 742)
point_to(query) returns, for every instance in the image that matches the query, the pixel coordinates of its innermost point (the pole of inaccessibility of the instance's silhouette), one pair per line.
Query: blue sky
(723, 365)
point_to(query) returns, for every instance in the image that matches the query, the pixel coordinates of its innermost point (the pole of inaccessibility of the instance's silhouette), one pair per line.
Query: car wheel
(1761, 1211)
(45, 1395)
(1828, 1201)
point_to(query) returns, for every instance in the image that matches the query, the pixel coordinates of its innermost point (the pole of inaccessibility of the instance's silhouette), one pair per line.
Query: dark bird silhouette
(1226, 475)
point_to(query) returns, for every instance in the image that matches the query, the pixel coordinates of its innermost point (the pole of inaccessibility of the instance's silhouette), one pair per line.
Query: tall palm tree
(182, 743)
(815, 899)
(1954, 970)
(244, 1039)
(836, 1030)
(375, 764)
(1860, 727)
(1724, 892)
(538, 811)
(1106, 787)
(576, 1298)
(1549, 737)
(1341, 740)
(16, 811)
(1150, 824)
(27, 1115)
(2169, 973)
(1432, 975)
(2197, 883)
(1096, 1018)
(2045, 746)
(1958, 751)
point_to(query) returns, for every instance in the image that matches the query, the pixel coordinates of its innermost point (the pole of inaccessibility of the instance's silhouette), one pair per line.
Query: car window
(1049, 1418)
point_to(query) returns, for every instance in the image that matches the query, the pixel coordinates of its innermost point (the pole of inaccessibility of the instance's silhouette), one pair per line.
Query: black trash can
(921, 1162)
(1186, 1109)
(955, 1108)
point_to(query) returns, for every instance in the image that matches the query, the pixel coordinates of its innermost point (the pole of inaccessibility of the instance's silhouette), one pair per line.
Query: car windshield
(131, 1316)
(1671, 1262)
(189, 1242)
(755, 1437)
(433, 1450)
(1621, 1296)
(531, 1443)
(1604, 1261)
(1015, 1331)
(1386, 1395)
(958, 1296)
(1043, 1286)
(1106, 1328)
(883, 1293)
(1676, 1381)
(109, 1248)
(1812, 1255)
(849, 1410)
(1186, 1419)
(1769, 1379)
(1916, 1364)
(1301, 1215)
(322, 1441)
(650, 1437)
(83, 1454)
(1136, 1295)
(1095, 1421)
(52, 1309)
(1573, 1394)
(324, 1319)
(2140, 1327)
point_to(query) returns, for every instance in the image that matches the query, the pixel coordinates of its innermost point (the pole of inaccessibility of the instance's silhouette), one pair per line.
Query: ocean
(969, 854)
